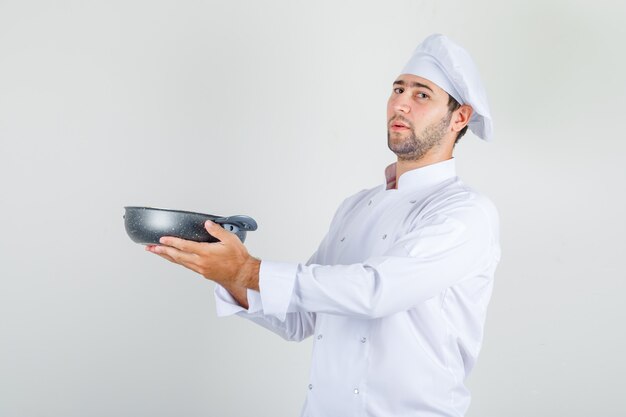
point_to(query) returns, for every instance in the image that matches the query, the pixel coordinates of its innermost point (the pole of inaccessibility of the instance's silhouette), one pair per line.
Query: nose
(401, 104)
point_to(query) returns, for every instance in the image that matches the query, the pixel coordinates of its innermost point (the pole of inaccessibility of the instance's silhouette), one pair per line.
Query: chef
(395, 296)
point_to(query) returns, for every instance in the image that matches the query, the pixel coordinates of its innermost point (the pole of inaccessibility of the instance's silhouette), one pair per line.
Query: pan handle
(246, 223)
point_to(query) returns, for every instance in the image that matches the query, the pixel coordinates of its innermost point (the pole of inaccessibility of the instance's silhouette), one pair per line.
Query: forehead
(410, 80)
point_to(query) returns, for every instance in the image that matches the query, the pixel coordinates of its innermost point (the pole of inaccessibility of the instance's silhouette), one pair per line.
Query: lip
(398, 126)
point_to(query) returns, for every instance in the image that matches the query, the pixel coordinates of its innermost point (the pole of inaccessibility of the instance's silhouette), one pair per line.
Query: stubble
(414, 147)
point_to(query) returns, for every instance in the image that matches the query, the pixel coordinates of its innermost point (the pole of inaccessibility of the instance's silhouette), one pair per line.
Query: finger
(177, 256)
(166, 257)
(151, 248)
(163, 254)
(181, 244)
(218, 232)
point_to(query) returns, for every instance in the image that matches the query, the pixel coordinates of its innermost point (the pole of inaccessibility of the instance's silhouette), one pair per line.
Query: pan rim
(170, 210)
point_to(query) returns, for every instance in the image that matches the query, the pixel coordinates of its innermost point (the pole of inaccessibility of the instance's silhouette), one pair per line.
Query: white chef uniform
(395, 297)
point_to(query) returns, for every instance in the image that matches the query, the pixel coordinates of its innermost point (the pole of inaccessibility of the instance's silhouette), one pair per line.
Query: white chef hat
(448, 65)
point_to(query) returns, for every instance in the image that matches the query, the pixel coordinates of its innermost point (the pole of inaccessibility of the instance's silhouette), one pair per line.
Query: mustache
(400, 118)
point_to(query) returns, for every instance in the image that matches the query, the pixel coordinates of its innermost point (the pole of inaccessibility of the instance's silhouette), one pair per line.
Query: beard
(414, 147)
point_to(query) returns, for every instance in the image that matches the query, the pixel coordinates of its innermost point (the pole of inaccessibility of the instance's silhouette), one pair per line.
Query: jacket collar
(423, 177)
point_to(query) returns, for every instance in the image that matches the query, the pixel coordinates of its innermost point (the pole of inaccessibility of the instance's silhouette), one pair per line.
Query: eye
(422, 95)
(398, 90)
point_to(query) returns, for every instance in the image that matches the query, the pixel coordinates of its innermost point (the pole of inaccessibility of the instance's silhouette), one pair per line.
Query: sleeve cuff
(226, 305)
(276, 282)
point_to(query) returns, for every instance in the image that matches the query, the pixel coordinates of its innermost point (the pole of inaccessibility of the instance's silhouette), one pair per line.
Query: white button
(370, 203)
(384, 236)
(310, 386)
(413, 201)
(319, 337)
(356, 390)
(343, 238)
(363, 340)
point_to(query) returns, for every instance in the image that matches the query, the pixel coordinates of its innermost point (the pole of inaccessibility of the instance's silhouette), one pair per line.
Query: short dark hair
(452, 106)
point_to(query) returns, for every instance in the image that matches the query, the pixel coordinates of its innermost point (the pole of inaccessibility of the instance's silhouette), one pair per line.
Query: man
(396, 294)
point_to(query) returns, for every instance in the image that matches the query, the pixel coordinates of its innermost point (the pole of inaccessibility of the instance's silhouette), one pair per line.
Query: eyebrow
(413, 84)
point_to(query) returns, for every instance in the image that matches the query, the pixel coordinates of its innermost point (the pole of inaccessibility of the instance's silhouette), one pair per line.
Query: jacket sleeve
(294, 327)
(442, 249)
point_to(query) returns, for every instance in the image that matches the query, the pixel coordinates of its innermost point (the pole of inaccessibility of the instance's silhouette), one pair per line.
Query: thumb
(217, 231)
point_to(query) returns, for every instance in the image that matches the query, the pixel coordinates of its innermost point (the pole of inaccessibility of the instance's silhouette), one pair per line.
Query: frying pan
(146, 225)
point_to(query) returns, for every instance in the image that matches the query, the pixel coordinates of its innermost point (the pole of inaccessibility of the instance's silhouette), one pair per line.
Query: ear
(461, 117)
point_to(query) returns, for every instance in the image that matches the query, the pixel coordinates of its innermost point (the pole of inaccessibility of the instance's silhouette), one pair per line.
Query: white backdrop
(276, 109)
